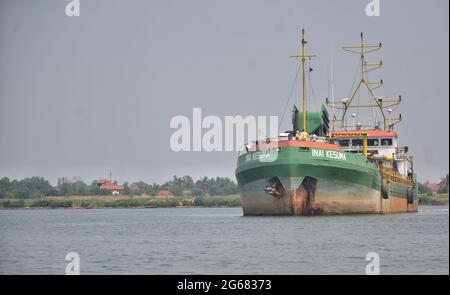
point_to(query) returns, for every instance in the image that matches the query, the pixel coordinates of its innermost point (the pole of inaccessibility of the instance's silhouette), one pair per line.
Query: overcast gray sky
(82, 96)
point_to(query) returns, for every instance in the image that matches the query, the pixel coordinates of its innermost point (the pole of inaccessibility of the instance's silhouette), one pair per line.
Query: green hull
(303, 181)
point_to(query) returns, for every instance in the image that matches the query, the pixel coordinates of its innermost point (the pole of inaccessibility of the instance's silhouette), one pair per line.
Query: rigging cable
(370, 100)
(354, 78)
(290, 95)
(311, 89)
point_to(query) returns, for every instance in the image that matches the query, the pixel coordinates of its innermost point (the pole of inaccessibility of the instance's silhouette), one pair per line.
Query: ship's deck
(320, 143)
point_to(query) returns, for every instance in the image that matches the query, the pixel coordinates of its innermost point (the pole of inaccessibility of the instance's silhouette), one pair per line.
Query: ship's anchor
(275, 188)
(272, 190)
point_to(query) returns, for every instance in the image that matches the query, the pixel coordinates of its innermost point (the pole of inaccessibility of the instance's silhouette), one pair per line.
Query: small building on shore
(107, 185)
(434, 187)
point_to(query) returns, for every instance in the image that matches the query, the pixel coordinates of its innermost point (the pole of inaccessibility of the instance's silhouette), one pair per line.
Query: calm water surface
(221, 241)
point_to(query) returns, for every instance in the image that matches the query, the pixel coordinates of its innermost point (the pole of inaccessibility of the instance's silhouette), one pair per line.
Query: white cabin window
(373, 142)
(344, 142)
(386, 141)
(357, 142)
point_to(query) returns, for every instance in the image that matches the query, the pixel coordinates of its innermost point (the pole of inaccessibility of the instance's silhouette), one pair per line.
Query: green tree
(32, 187)
(443, 185)
(126, 189)
(197, 192)
(423, 189)
(5, 187)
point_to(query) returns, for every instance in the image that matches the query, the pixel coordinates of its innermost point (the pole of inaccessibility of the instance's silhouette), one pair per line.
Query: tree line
(443, 186)
(35, 187)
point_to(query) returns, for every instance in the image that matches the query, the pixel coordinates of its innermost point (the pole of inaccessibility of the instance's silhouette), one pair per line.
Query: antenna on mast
(376, 101)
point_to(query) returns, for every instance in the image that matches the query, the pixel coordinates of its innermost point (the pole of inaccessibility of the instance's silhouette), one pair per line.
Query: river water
(221, 241)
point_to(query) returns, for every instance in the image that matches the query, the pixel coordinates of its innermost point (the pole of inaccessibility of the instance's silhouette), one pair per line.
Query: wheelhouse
(378, 145)
(378, 142)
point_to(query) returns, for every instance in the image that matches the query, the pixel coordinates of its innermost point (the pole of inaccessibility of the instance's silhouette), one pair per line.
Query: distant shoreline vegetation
(121, 201)
(433, 199)
(38, 187)
(37, 192)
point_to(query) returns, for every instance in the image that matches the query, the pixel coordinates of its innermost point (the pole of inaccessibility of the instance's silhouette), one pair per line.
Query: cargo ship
(326, 164)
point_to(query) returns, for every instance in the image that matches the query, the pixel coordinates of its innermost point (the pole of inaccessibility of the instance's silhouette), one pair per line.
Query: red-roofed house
(102, 181)
(434, 187)
(107, 185)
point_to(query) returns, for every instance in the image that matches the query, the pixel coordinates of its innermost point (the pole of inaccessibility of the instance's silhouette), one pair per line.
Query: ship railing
(395, 176)
(248, 146)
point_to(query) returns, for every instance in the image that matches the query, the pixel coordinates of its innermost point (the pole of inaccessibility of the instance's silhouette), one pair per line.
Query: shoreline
(136, 207)
(433, 200)
(120, 201)
(150, 207)
(152, 202)
(144, 207)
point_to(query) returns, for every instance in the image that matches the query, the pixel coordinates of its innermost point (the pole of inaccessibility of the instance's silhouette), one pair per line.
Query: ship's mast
(303, 57)
(380, 102)
(332, 87)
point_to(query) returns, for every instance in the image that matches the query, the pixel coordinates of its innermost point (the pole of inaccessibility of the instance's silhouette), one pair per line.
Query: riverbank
(121, 201)
(433, 200)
